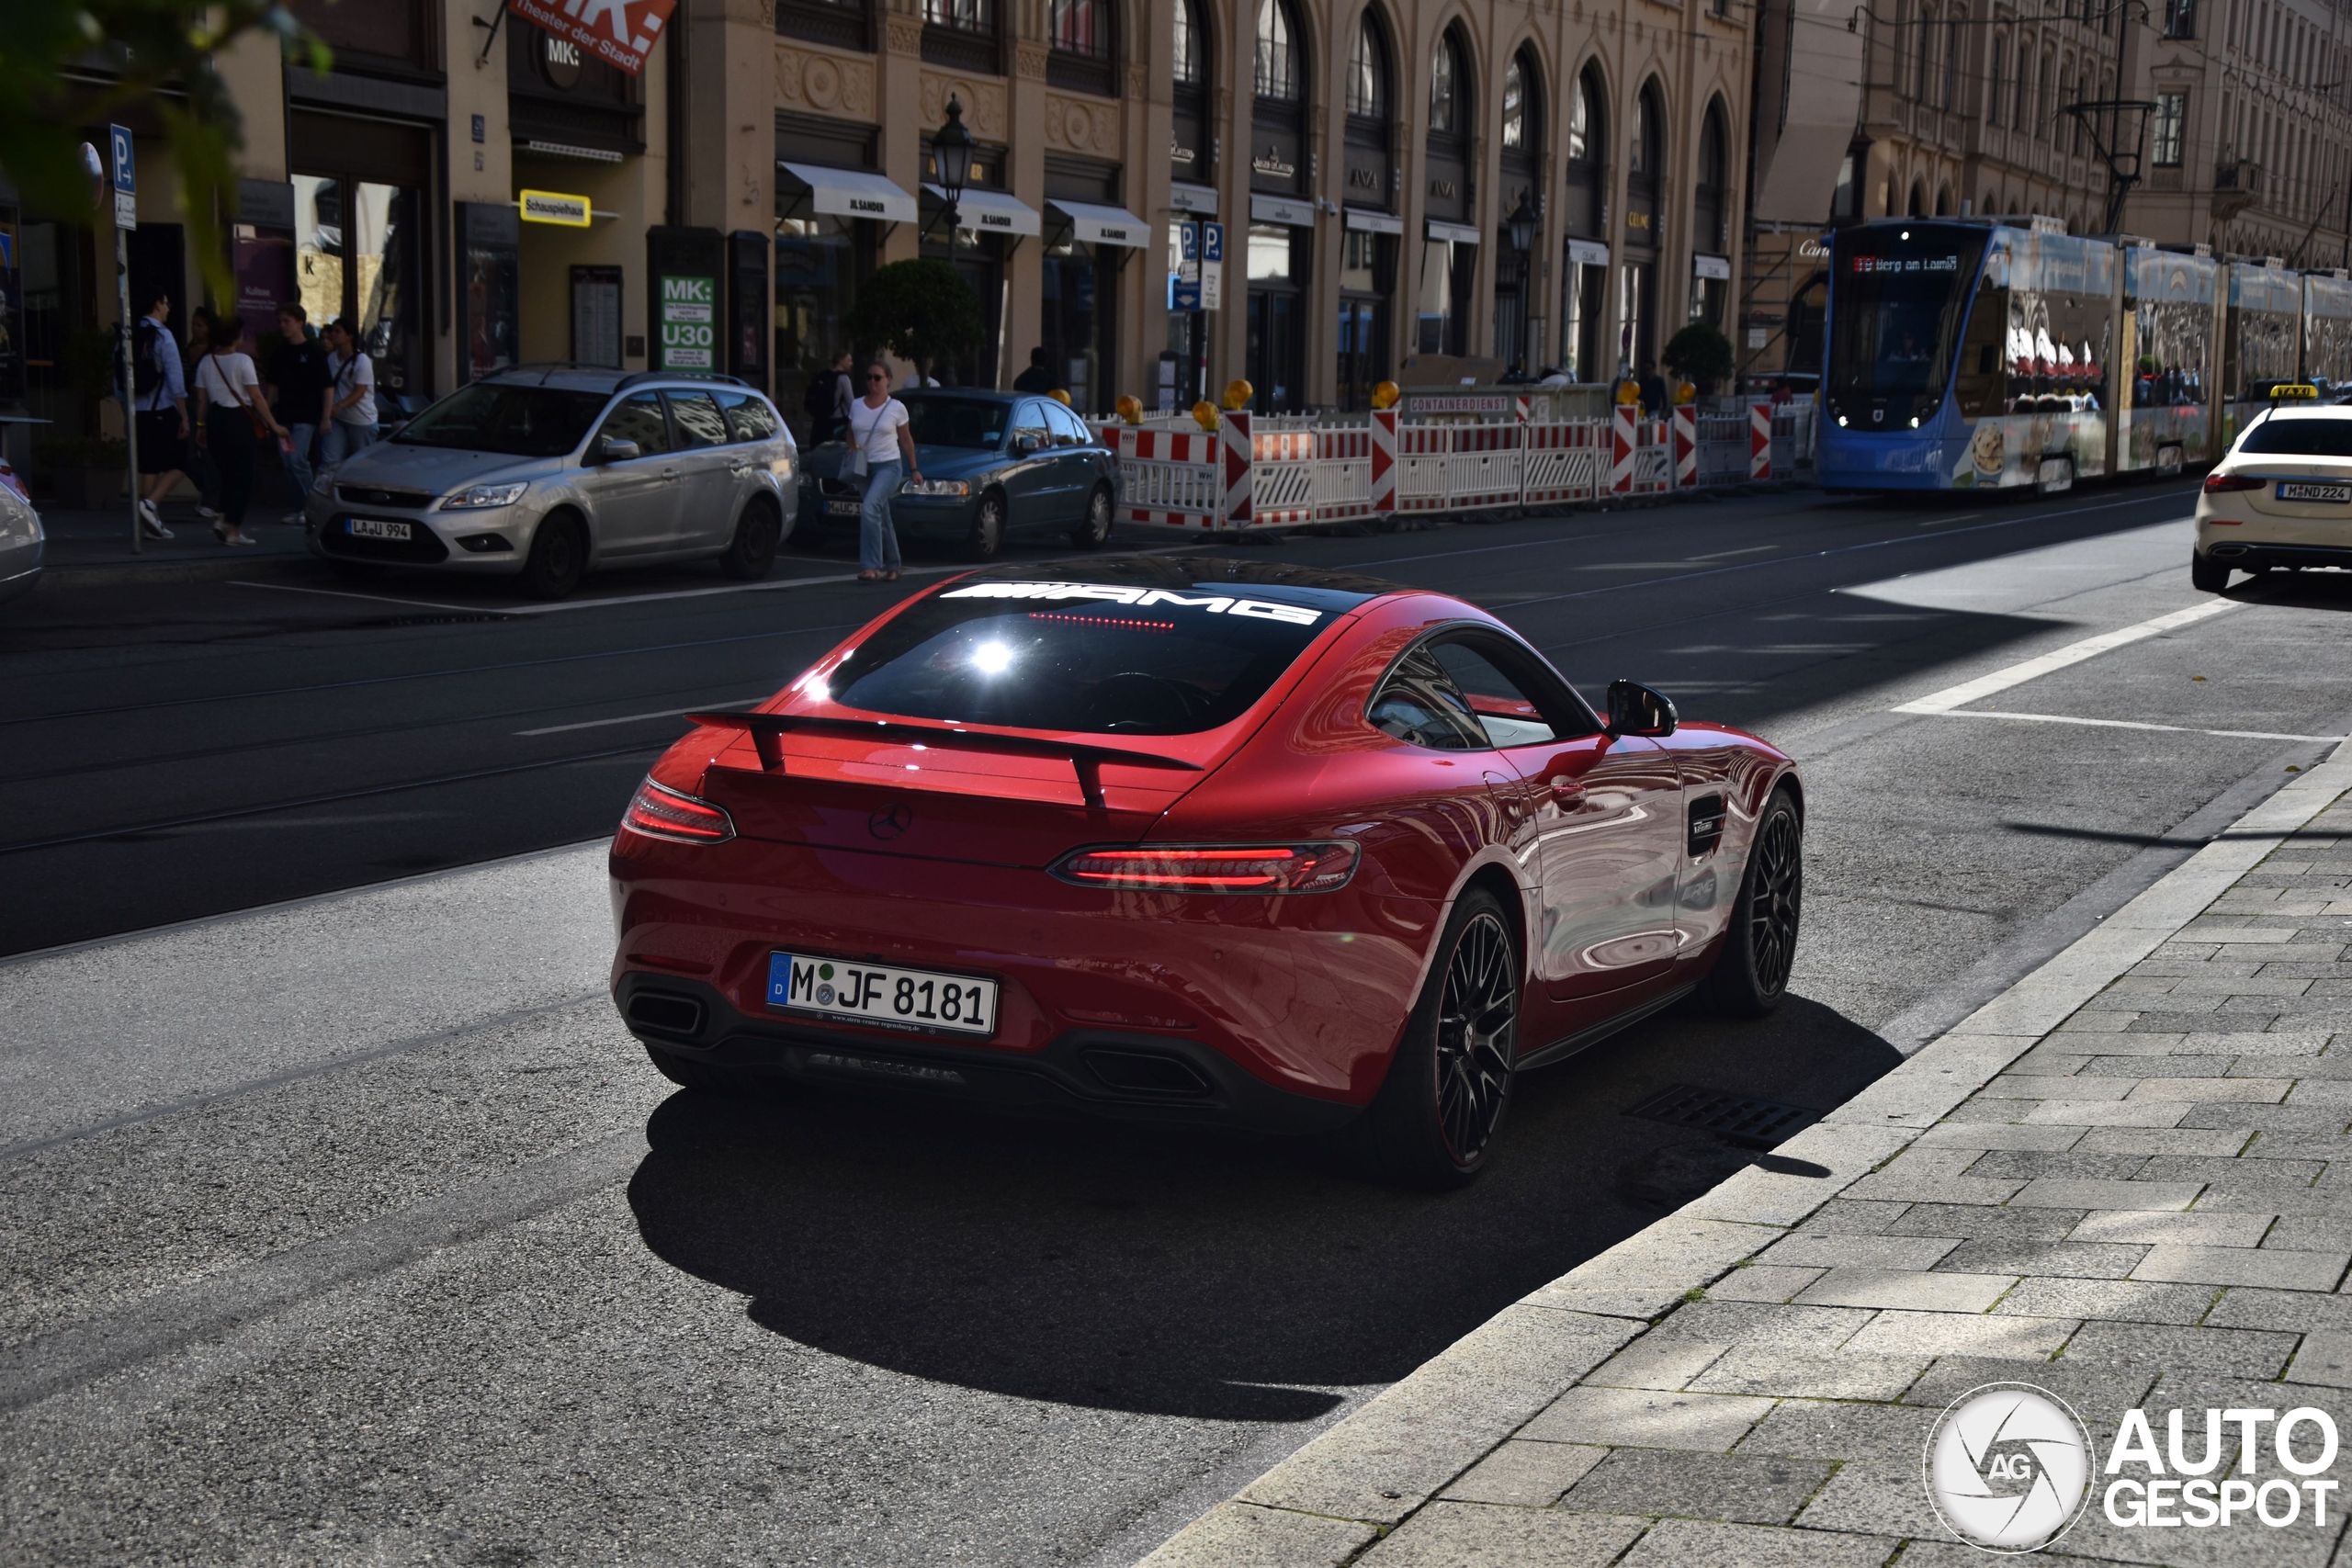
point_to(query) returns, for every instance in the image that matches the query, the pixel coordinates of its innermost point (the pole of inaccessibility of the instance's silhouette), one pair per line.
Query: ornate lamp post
(951, 152)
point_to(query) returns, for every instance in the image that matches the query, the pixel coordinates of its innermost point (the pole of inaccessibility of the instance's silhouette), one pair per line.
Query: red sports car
(1196, 840)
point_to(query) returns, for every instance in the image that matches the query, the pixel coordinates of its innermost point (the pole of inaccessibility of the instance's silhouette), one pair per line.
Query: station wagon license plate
(2339, 494)
(378, 528)
(876, 993)
(842, 508)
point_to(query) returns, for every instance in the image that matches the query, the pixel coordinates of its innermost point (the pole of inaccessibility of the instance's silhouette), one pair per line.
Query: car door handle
(1567, 792)
(669, 473)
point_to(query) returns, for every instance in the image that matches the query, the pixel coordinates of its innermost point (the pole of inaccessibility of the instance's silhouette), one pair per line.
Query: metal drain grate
(1756, 1123)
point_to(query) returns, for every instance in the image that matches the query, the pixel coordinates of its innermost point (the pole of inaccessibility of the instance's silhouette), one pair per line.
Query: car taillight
(2216, 484)
(1215, 868)
(660, 812)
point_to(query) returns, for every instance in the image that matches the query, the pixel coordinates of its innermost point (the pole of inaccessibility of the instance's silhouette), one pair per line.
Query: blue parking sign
(1212, 242)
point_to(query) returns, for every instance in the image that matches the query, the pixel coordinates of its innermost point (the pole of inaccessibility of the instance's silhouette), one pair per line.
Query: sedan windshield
(2302, 436)
(975, 424)
(524, 422)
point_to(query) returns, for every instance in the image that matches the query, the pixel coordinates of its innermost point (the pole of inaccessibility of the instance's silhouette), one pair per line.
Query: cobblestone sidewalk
(2128, 1181)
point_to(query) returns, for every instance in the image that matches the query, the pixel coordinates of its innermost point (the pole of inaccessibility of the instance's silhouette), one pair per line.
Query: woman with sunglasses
(878, 432)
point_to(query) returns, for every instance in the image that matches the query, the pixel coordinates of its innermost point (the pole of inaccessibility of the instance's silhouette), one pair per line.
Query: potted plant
(1702, 354)
(922, 311)
(85, 473)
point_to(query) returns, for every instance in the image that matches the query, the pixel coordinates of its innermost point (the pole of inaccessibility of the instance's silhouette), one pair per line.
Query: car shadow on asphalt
(1184, 1273)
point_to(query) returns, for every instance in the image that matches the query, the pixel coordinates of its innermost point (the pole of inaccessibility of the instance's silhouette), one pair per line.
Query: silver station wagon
(547, 472)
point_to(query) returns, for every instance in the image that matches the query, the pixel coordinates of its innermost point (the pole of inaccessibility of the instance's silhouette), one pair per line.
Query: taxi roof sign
(2292, 392)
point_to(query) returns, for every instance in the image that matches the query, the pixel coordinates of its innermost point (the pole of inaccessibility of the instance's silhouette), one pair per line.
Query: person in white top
(347, 423)
(879, 430)
(231, 415)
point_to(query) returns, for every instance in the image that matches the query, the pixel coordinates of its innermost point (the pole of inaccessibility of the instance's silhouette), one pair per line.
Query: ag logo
(891, 820)
(2008, 1467)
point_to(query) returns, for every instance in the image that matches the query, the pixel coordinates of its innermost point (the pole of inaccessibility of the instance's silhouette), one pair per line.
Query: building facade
(1410, 189)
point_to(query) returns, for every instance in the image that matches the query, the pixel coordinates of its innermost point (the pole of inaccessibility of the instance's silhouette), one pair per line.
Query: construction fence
(1294, 470)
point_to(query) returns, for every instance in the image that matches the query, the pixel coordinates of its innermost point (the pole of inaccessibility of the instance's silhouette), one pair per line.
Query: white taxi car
(2280, 498)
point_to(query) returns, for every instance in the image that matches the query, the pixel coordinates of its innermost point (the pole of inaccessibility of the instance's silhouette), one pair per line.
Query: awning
(992, 212)
(1460, 234)
(1094, 225)
(1280, 209)
(1588, 253)
(851, 192)
(1374, 223)
(1199, 199)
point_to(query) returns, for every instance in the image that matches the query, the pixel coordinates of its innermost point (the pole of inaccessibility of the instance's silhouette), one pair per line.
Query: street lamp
(1520, 225)
(1519, 228)
(951, 150)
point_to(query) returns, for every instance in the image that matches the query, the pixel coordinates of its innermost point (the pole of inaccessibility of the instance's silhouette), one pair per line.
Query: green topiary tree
(918, 310)
(1701, 353)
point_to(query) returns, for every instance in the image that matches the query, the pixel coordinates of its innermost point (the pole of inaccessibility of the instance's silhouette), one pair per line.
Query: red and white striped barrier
(1760, 438)
(1624, 436)
(1686, 446)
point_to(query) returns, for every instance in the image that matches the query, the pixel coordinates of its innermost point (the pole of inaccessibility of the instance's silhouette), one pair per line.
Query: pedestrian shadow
(1215, 1277)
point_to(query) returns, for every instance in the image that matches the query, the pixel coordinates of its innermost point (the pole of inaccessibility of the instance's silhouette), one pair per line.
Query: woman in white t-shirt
(877, 427)
(230, 410)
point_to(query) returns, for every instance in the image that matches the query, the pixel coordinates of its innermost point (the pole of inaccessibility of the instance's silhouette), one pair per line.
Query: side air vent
(1706, 825)
(660, 1013)
(1144, 1072)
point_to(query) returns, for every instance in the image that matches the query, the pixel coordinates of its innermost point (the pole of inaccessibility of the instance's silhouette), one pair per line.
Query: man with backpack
(159, 405)
(825, 400)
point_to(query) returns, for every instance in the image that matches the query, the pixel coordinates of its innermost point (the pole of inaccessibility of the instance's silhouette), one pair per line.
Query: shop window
(818, 260)
(1449, 272)
(357, 259)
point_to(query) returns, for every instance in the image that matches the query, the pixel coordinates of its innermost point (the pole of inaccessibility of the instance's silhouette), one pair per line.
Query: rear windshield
(526, 422)
(976, 423)
(2302, 436)
(1082, 656)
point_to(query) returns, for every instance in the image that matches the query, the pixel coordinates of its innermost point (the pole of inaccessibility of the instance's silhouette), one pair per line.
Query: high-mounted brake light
(1215, 868)
(2217, 484)
(660, 812)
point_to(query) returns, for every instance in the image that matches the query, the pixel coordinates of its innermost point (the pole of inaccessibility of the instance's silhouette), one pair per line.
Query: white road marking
(2129, 724)
(1983, 686)
(657, 713)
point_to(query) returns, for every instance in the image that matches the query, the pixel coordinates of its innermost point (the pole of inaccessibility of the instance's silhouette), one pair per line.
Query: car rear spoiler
(767, 731)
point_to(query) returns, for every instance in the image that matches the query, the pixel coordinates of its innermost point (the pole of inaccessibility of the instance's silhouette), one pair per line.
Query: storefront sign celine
(618, 32)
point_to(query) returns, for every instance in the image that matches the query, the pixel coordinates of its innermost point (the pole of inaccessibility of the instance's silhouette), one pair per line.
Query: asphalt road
(355, 1229)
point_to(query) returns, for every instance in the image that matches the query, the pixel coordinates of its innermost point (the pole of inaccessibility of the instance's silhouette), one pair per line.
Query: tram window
(1982, 377)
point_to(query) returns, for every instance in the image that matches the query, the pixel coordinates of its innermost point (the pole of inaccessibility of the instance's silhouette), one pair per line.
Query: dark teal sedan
(995, 466)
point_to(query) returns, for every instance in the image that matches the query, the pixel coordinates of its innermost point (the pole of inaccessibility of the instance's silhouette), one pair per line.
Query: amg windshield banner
(618, 32)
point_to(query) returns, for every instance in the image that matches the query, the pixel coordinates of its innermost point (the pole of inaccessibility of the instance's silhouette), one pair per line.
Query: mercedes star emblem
(891, 820)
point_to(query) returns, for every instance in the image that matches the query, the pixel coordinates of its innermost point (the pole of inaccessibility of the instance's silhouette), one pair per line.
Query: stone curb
(1351, 1486)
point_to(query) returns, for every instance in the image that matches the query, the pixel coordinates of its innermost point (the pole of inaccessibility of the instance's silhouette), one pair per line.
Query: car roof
(1269, 580)
(962, 394)
(572, 376)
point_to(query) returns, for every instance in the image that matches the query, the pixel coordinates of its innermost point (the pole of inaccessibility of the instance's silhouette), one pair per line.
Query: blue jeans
(298, 462)
(343, 438)
(878, 542)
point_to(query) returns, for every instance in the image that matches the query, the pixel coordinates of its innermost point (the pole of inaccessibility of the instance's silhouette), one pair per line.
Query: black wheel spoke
(1478, 1011)
(1774, 902)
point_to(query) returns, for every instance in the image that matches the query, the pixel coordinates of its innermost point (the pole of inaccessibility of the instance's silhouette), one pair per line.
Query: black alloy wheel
(1095, 526)
(751, 552)
(987, 538)
(559, 557)
(1751, 973)
(1436, 1117)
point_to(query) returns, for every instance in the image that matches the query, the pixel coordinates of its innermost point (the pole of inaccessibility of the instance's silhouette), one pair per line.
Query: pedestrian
(201, 472)
(159, 405)
(1037, 378)
(827, 399)
(236, 417)
(298, 379)
(1653, 389)
(347, 415)
(880, 439)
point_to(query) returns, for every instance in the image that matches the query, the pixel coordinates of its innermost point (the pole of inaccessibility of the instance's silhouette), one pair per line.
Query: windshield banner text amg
(618, 32)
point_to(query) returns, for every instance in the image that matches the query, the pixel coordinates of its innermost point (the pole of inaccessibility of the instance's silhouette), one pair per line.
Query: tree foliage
(158, 55)
(922, 311)
(1701, 353)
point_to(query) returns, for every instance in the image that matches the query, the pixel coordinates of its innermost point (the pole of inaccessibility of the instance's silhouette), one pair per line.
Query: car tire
(1434, 1121)
(354, 570)
(752, 553)
(1095, 527)
(559, 558)
(986, 541)
(1751, 973)
(688, 1072)
(2206, 576)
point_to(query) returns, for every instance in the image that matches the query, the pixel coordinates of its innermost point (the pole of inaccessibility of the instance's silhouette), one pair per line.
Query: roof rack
(634, 376)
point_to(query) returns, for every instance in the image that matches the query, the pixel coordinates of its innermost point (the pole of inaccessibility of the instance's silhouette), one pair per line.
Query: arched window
(1368, 96)
(1191, 49)
(1080, 26)
(1993, 80)
(1646, 167)
(1918, 208)
(1943, 202)
(1277, 75)
(1649, 134)
(1447, 87)
(1711, 231)
(1515, 107)
(1951, 57)
(1587, 145)
(1189, 146)
(1924, 58)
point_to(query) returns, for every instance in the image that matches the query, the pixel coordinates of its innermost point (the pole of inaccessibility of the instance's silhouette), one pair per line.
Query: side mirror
(1635, 709)
(613, 449)
(1024, 445)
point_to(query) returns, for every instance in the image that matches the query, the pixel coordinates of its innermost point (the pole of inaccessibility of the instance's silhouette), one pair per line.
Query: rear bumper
(2250, 554)
(1081, 1072)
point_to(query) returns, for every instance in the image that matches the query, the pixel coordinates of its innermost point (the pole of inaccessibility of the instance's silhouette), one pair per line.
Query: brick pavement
(2148, 1203)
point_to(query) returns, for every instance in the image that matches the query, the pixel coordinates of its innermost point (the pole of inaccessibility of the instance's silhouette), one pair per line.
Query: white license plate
(378, 528)
(843, 508)
(2339, 494)
(875, 993)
